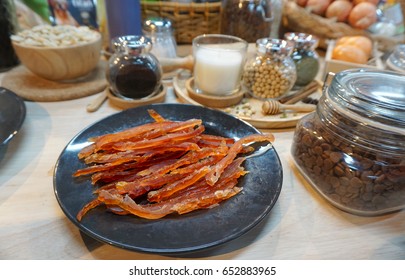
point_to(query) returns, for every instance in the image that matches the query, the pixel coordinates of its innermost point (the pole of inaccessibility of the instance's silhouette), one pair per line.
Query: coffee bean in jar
(247, 19)
(352, 149)
(271, 73)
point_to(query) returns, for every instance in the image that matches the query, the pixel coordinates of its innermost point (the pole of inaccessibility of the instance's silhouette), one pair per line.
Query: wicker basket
(298, 19)
(189, 19)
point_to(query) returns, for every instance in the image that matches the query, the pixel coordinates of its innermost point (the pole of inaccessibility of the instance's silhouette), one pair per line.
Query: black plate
(174, 233)
(12, 114)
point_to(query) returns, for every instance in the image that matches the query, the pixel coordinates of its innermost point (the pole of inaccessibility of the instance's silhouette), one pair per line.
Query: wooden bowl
(60, 63)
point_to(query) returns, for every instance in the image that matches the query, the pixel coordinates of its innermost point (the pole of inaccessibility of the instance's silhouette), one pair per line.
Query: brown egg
(375, 2)
(318, 6)
(350, 54)
(361, 42)
(363, 15)
(339, 10)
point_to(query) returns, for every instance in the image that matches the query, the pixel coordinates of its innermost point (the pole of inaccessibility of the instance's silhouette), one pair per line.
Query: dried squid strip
(174, 165)
(162, 140)
(213, 140)
(213, 176)
(139, 181)
(231, 173)
(142, 185)
(189, 158)
(145, 131)
(135, 167)
(198, 196)
(157, 117)
(127, 162)
(169, 189)
(101, 158)
(180, 205)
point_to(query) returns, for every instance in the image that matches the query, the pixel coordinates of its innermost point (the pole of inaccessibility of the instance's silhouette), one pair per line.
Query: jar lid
(274, 46)
(396, 60)
(132, 42)
(157, 25)
(372, 97)
(302, 40)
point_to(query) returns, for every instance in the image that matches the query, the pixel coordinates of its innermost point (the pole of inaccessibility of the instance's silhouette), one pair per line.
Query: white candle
(218, 71)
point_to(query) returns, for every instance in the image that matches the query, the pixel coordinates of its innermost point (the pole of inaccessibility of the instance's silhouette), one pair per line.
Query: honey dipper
(272, 107)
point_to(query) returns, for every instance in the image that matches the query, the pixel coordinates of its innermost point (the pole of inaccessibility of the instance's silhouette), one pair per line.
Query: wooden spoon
(171, 64)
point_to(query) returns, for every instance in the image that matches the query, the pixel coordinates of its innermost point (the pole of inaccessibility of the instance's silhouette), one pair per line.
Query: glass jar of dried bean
(352, 149)
(271, 73)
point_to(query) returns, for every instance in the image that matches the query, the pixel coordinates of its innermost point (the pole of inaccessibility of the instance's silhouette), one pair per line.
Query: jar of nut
(271, 73)
(352, 149)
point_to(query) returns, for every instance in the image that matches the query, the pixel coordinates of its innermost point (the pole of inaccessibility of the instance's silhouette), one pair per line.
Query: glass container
(133, 72)
(352, 149)
(160, 31)
(218, 64)
(305, 57)
(396, 60)
(247, 19)
(271, 73)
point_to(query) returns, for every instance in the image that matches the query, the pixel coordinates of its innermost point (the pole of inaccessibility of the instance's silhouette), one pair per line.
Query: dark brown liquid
(136, 80)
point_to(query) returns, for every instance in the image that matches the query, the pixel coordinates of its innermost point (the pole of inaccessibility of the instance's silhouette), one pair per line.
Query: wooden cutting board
(33, 88)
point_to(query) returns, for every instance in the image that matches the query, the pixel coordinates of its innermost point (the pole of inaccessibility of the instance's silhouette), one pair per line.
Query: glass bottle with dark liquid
(133, 72)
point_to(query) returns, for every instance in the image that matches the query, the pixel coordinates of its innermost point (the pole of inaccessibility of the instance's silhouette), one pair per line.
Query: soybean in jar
(352, 149)
(271, 73)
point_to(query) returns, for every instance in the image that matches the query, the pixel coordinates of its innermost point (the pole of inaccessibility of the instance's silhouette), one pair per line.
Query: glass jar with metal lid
(133, 72)
(271, 73)
(352, 149)
(305, 57)
(160, 31)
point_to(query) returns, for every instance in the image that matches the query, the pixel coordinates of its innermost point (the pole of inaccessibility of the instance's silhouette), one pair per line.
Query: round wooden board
(127, 103)
(211, 100)
(33, 88)
(257, 119)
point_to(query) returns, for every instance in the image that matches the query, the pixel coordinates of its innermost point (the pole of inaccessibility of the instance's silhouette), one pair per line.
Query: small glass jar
(133, 72)
(247, 19)
(396, 60)
(352, 149)
(305, 57)
(271, 73)
(160, 31)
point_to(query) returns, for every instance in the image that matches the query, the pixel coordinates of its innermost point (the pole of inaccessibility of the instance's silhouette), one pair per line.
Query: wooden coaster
(130, 103)
(212, 100)
(34, 88)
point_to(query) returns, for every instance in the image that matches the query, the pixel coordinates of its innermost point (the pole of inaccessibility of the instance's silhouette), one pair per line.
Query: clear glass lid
(372, 97)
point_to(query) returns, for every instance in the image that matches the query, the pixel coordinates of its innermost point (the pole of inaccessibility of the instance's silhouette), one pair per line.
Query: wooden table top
(300, 226)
